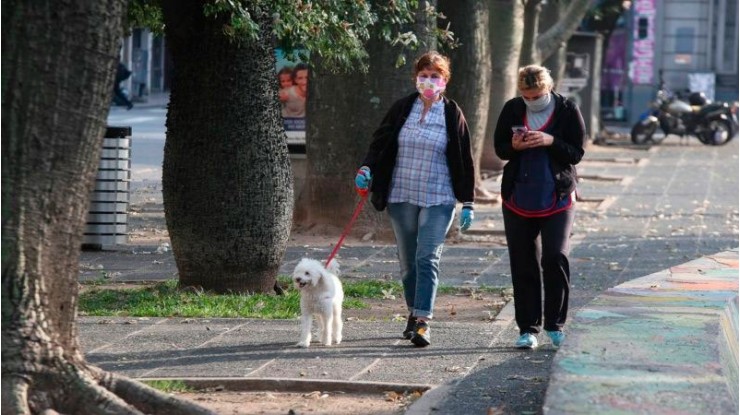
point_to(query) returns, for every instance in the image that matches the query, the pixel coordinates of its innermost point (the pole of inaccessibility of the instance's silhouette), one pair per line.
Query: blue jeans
(420, 236)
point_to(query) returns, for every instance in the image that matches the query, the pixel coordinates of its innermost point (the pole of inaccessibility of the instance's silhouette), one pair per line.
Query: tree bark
(506, 32)
(343, 111)
(226, 176)
(471, 73)
(59, 65)
(530, 54)
(547, 42)
(552, 13)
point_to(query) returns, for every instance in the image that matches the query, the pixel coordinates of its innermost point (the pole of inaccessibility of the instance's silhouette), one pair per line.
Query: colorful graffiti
(643, 48)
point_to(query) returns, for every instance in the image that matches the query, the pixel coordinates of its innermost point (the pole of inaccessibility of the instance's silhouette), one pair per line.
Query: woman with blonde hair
(542, 135)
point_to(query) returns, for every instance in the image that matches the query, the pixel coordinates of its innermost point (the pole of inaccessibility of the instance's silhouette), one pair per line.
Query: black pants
(119, 98)
(538, 253)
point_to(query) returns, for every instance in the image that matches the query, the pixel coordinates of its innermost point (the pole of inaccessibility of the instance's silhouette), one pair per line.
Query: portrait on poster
(293, 79)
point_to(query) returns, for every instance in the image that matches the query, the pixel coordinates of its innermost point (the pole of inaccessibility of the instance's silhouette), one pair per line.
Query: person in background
(419, 165)
(542, 135)
(119, 97)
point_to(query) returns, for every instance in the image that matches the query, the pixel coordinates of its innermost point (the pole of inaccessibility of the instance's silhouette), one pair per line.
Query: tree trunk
(343, 111)
(471, 73)
(226, 177)
(506, 31)
(548, 42)
(552, 13)
(530, 55)
(59, 64)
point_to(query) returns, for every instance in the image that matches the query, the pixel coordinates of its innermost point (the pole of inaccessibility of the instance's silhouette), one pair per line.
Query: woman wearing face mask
(419, 165)
(542, 135)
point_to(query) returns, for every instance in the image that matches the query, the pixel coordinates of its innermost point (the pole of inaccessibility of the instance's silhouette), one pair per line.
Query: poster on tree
(293, 79)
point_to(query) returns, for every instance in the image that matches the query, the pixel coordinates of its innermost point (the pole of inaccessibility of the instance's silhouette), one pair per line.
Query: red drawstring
(347, 228)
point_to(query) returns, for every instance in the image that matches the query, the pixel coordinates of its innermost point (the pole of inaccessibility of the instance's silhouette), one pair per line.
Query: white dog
(322, 296)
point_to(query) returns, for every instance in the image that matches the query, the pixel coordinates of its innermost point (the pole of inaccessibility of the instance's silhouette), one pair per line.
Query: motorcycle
(713, 123)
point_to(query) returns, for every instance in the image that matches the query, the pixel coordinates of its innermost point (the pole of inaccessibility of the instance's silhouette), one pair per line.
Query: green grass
(164, 299)
(169, 386)
(371, 288)
(451, 289)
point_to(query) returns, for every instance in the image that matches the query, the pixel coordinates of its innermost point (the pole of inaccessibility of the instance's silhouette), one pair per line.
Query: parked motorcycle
(713, 123)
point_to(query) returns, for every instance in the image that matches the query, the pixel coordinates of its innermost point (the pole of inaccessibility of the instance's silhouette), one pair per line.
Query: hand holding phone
(519, 138)
(519, 129)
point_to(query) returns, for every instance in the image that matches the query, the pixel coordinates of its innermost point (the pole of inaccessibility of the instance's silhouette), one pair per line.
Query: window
(685, 40)
(642, 28)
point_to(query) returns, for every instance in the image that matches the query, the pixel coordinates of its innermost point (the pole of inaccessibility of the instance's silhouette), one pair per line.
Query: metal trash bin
(107, 216)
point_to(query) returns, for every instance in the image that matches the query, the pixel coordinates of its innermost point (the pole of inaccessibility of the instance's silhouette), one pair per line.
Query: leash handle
(347, 228)
(360, 191)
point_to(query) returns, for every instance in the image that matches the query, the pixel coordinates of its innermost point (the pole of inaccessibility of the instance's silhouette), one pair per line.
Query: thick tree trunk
(343, 111)
(226, 177)
(59, 63)
(471, 72)
(506, 31)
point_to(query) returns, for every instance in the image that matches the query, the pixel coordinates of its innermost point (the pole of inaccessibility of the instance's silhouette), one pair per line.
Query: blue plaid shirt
(421, 176)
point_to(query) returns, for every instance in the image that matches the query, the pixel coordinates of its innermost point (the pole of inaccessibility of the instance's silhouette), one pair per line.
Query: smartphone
(519, 129)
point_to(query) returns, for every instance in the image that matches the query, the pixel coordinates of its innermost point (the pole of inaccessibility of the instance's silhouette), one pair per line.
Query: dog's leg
(305, 339)
(338, 323)
(320, 322)
(326, 324)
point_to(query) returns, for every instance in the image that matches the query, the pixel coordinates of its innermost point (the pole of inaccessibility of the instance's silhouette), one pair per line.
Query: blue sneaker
(556, 337)
(526, 341)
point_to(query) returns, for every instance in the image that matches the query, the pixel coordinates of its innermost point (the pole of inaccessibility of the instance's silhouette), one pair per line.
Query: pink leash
(347, 228)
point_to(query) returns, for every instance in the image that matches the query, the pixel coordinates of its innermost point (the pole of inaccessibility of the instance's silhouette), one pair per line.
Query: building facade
(686, 44)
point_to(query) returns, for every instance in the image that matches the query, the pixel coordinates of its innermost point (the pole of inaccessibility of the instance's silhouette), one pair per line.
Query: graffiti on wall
(643, 47)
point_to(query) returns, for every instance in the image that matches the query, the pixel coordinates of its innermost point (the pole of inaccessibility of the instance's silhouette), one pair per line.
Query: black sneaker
(422, 335)
(410, 324)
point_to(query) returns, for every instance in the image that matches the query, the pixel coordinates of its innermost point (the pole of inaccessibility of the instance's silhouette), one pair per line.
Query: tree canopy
(334, 30)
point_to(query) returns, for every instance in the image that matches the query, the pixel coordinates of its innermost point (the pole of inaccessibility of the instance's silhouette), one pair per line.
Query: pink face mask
(430, 88)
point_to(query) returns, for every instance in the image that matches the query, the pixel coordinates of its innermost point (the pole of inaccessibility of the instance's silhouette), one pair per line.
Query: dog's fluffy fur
(321, 296)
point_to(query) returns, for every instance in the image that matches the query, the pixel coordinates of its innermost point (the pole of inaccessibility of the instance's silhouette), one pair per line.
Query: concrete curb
(294, 385)
(671, 345)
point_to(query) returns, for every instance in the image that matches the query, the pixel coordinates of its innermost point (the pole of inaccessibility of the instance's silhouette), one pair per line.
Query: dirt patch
(279, 403)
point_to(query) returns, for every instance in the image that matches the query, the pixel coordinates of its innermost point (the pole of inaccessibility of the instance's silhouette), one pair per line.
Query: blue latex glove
(466, 218)
(362, 180)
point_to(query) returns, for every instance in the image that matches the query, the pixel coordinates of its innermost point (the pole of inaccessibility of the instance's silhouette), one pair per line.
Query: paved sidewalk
(592, 374)
(645, 210)
(372, 357)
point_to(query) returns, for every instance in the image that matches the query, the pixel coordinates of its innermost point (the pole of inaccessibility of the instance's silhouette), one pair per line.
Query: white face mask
(539, 104)
(430, 88)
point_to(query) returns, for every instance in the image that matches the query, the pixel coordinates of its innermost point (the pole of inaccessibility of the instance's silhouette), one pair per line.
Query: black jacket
(122, 72)
(381, 157)
(565, 152)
